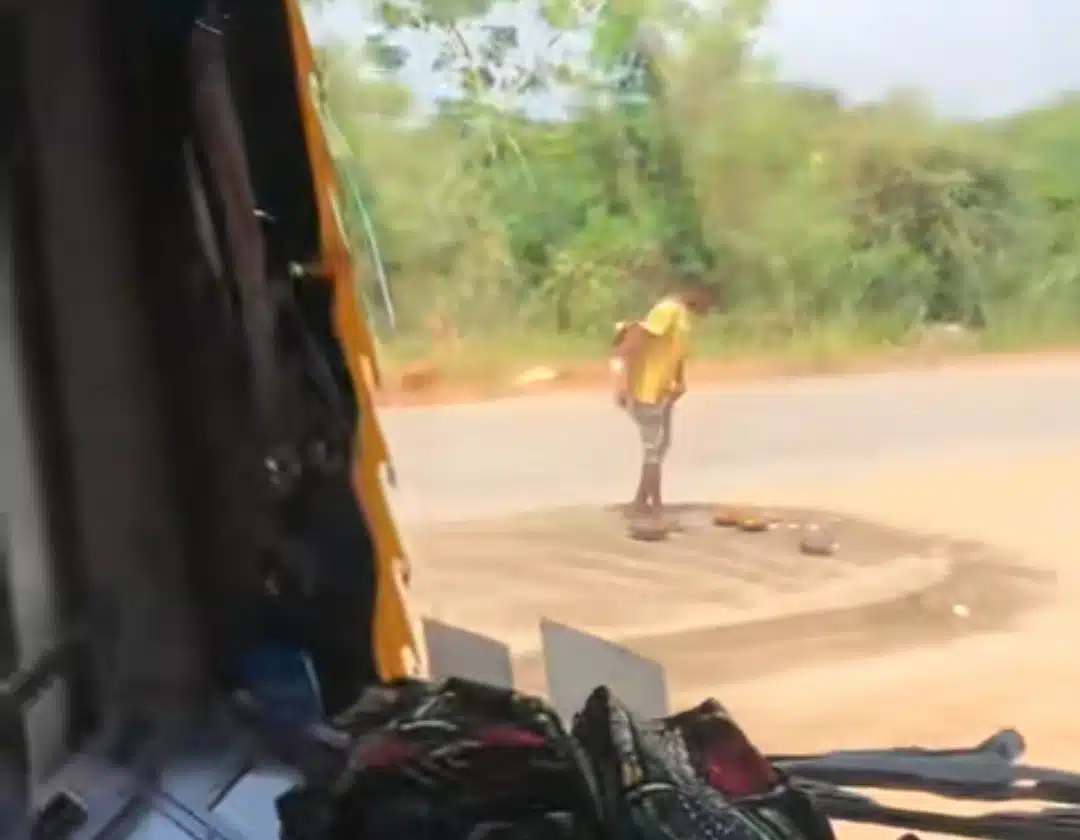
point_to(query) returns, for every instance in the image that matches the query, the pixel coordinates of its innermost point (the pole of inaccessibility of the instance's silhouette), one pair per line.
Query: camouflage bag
(464, 761)
(691, 776)
(453, 762)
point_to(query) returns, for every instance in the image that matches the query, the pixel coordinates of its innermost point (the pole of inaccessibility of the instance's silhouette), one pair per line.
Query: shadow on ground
(982, 592)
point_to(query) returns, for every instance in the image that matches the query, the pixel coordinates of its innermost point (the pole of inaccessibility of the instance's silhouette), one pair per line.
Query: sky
(973, 58)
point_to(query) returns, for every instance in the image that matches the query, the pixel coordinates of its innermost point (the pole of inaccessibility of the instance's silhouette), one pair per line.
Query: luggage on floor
(464, 761)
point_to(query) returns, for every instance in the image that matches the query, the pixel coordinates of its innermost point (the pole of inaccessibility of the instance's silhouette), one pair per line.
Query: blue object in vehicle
(283, 682)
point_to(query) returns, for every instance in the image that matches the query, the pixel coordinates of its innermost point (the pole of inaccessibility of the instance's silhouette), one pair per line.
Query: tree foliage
(585, 154)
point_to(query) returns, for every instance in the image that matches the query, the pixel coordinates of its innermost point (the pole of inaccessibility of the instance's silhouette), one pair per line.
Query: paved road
(514, 455)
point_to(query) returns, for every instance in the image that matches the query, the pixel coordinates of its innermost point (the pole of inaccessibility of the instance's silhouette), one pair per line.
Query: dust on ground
(958, 691)
(911, 680)
(579, 566)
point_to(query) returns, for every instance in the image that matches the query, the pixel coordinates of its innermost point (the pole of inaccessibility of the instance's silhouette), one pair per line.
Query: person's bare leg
(652, 431)
(650, 484)
(639, 505)
(656, 501)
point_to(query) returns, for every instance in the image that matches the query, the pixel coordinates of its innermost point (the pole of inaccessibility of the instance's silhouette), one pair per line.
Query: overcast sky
(974, 58)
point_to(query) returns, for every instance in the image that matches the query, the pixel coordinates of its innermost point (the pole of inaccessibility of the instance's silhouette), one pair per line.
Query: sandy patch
(955, 693)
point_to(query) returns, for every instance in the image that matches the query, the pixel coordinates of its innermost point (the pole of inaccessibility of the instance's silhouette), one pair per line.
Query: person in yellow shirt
(650, 378)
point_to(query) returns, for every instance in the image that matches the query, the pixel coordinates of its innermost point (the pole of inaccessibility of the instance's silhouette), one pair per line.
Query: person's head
(697, 295)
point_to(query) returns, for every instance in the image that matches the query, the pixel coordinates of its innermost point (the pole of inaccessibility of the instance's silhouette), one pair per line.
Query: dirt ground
(552, 564)
(988, 456)
(954, 693)
(910, 682)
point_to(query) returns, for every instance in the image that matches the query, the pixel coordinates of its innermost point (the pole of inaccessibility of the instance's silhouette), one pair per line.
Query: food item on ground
(818, 542)
(728, 516)
(754, 523)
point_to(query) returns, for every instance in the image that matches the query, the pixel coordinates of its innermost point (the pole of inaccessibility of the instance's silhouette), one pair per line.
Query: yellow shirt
(668, 326)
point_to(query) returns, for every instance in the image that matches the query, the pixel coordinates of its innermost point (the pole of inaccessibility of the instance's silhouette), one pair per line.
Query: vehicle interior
(191, 462)
(180, 420)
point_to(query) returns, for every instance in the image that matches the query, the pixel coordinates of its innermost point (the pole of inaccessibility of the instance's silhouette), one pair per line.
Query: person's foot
(650, 512)
(665, 518)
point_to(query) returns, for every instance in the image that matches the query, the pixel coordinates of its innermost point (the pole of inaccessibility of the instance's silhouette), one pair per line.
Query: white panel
(454, 652)
(578, 662)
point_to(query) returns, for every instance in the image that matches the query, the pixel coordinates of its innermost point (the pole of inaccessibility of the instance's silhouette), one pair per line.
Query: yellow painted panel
(397, 642)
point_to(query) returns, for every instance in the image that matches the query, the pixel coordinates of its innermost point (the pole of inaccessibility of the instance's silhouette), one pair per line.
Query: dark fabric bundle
(460, 761)
(464, 761)
(691, 776)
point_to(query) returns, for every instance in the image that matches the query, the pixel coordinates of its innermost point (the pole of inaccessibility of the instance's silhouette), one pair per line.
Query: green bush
(868, 223)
